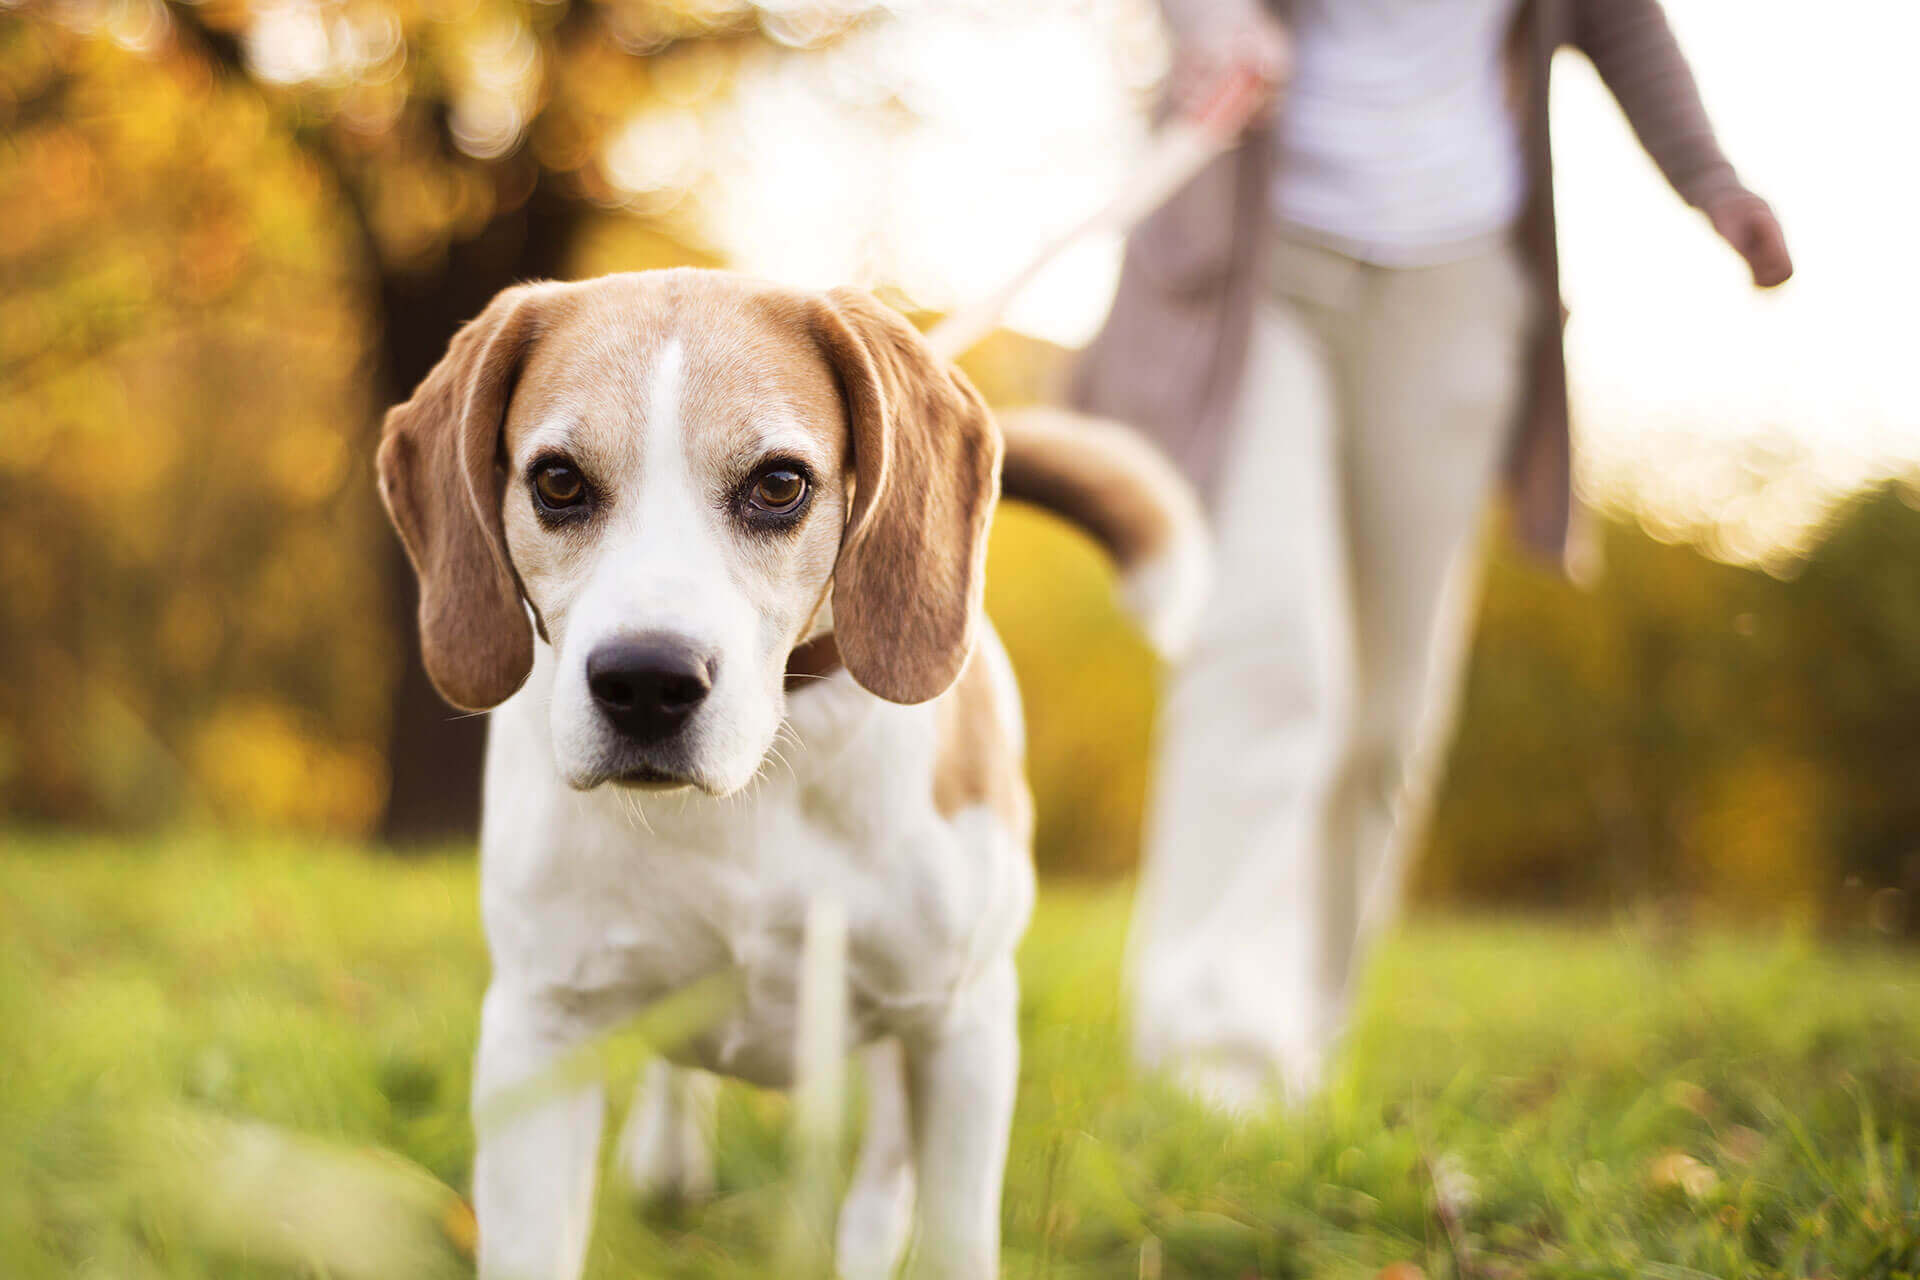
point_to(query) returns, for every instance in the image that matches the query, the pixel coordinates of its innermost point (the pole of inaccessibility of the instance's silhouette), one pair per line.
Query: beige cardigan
(1170, 357)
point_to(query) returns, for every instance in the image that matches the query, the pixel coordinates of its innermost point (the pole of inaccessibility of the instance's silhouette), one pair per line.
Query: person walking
(1344, 329)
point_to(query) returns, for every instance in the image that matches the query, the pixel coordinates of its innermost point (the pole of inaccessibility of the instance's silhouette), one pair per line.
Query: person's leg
(1226, 932)
(1432, 372)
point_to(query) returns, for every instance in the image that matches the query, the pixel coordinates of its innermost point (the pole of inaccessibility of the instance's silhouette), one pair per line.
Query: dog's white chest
(664, 916)
(616, 905)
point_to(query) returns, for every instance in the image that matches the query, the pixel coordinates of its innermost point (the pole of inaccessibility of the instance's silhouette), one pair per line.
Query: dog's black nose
(649, 685)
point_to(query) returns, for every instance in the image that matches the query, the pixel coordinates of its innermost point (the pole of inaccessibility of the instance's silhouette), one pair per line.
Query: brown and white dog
(662, 521)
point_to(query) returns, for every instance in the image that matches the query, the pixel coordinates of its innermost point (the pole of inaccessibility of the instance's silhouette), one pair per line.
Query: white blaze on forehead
(666, 386)
(666, 473)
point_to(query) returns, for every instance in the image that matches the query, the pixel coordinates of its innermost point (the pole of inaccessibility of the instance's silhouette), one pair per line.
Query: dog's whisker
(772, 757)
(635, 812)
(775, 753)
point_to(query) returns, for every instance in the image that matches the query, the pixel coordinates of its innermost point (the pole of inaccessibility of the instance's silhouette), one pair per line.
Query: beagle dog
(711, 552)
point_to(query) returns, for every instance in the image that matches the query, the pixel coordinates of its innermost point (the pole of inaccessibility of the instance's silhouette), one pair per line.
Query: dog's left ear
(926, 473)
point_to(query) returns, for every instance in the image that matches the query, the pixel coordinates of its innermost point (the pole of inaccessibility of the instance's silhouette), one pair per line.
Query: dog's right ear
(440, 476)
(907, 586)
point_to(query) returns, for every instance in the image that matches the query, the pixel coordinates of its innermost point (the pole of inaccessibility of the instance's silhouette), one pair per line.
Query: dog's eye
(558, 485)
(778, 491)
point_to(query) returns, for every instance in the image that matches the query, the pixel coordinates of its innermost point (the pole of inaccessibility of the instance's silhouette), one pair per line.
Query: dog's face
(673, 504)
(686, 475)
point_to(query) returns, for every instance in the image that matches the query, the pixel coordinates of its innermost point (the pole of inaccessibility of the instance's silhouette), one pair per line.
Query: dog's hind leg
(666, 1146)
(878, 1211)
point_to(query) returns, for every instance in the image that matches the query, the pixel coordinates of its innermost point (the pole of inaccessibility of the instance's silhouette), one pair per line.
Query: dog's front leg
(538, 1141)
(960, 1079)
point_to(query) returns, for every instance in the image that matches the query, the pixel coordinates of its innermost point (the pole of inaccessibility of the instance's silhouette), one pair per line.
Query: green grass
(1633, 1101)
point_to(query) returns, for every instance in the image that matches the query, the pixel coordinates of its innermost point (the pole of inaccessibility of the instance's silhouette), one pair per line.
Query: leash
(1180, 149)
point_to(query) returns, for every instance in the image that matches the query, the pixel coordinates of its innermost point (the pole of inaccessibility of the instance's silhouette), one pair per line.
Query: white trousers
(1295, 743)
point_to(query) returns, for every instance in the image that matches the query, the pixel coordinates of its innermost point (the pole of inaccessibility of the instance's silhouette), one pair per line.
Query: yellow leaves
(414, 208)
(189, 634)
(118, 460)
(256, 759)
(1741, 1144)
(65, 168)
(1690, 1097)
(210, 257)
(307, 463)
(500, 79)
(690, 75)
(461, 1228)
(1758, 833)
(1676, 1171)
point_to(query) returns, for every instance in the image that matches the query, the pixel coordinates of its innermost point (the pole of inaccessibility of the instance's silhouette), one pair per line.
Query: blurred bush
(1697, 729)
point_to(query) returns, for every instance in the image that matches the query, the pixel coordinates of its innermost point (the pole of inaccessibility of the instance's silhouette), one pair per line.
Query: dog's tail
(1111, 482)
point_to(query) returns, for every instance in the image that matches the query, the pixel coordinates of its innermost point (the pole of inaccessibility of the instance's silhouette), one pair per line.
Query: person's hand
(1746, 222)
(1251, 39)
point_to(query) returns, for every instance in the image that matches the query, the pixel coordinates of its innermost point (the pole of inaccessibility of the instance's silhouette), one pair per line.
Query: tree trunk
(434, 752)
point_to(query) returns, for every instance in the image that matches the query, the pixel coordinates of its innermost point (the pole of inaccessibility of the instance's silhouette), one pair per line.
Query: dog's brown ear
(440, 470)
(926, 472)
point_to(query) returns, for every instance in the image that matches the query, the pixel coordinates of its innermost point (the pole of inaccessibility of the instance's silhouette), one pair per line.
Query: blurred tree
(187, 623)
(467, 143)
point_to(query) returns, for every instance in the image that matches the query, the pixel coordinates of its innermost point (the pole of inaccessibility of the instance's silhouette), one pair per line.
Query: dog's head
(677, 477)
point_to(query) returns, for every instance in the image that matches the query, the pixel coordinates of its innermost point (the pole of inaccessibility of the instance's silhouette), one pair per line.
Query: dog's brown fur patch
(978, 762)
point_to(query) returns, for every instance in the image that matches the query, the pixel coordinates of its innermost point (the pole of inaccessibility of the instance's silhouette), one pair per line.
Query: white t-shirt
(1396, 140)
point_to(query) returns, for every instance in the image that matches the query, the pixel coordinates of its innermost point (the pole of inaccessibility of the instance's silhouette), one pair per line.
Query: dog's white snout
(648, 686)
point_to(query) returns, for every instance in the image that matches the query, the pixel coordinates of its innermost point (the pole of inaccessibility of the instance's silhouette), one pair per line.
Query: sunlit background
(237, 229)
(1655, 1012)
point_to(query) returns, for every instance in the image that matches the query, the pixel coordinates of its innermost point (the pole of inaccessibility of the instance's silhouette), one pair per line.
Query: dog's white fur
(594, 910)
(600, 898)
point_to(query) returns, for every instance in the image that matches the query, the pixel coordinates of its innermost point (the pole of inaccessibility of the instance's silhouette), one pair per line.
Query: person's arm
(1633, 49)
